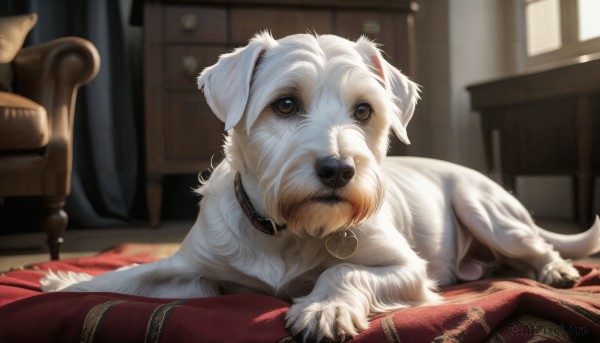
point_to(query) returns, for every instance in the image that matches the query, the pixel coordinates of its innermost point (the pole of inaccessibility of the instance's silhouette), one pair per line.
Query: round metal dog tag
(342, 244)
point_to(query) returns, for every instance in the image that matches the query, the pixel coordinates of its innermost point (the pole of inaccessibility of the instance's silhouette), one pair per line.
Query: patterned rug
(500, 310)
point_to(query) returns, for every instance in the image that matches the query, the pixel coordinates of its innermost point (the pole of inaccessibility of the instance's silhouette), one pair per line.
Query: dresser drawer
(185, 24)
(378, 26)
(281, 22)
(192, 132)
(185, 62)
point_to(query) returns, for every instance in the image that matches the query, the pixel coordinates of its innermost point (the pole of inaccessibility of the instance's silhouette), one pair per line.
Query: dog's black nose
(334, 172)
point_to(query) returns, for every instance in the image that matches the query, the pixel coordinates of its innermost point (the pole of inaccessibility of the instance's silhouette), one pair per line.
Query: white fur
(419, 222)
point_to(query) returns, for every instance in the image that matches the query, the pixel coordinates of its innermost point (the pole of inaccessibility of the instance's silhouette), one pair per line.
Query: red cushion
(511, 310)
(106, 317)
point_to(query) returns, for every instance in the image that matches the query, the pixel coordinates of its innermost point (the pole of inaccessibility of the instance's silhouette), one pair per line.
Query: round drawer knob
(189, 21)
(190, 65)
(371, 28)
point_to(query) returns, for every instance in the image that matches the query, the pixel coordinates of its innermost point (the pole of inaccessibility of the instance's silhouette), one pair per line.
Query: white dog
(307, 207)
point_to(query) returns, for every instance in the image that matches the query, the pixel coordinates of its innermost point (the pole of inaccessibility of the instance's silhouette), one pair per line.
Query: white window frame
(571, 47)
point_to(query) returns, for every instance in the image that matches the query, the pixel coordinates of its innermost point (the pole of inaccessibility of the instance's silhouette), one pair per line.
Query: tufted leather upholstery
(36, 121)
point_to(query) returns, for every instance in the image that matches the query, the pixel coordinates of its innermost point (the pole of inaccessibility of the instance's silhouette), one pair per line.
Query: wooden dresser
(182, 37)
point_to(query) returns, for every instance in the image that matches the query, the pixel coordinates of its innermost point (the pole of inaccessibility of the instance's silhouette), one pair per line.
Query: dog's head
(309, 117)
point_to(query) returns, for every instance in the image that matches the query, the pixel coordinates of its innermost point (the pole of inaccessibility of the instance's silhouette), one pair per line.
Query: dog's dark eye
(362, 112)
(285, 106)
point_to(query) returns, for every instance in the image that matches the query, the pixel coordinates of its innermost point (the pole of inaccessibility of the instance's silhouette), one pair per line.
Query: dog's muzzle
(334, 172)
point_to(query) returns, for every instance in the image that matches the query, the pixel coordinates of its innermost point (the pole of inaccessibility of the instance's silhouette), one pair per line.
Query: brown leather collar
(261, 223)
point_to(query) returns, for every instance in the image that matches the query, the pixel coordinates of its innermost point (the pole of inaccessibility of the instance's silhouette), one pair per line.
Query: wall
(459, 42)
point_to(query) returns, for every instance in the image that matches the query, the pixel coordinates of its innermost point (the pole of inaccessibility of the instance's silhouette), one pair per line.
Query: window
(543, 26)
(589, 19)
(555, 30)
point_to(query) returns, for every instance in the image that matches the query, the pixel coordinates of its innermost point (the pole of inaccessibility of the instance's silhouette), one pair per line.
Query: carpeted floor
(21, 249)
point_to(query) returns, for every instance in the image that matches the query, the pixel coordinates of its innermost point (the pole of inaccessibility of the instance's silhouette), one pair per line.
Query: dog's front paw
(559, 274)
(329, 320)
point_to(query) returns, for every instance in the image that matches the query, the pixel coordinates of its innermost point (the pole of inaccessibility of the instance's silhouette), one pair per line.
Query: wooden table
(548, 123)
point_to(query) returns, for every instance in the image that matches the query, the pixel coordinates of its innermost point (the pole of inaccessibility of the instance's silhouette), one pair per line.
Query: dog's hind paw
(325, 321)
(560, 274)
(60, 280)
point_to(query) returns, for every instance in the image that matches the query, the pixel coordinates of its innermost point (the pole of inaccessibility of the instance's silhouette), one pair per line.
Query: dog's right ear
(226, 85)
(404, 91)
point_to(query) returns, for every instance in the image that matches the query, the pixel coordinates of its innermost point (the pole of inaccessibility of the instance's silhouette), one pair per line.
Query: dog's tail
(577, 245)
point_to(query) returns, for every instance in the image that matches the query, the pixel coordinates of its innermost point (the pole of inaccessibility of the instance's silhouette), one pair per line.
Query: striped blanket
(500, 310)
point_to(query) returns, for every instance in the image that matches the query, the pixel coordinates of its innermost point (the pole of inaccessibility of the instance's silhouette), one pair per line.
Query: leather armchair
(36, 126)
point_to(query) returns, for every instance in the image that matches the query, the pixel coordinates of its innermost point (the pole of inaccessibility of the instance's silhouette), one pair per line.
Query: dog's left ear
(405, 92)
(226, 85)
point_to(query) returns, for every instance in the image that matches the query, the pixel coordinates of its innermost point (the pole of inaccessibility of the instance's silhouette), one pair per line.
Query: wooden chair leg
(154, 198)
(54, 223)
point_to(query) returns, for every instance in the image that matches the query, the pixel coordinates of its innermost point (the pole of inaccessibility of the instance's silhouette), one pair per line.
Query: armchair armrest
(65, 62)
(50, 74)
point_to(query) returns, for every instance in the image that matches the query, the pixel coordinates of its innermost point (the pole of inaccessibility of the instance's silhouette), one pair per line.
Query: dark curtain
(106, 162)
